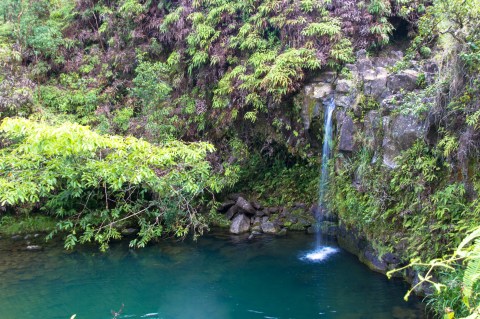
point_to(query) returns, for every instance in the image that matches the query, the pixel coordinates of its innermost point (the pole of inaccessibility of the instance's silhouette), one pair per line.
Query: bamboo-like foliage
(97, 184)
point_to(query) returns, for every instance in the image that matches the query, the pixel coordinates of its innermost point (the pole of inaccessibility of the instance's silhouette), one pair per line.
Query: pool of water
(216, 277)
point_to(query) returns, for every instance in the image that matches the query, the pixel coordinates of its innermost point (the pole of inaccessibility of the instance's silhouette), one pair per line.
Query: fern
(472, 273)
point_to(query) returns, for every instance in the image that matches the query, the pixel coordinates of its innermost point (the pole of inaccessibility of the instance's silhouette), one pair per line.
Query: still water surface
(217, 277)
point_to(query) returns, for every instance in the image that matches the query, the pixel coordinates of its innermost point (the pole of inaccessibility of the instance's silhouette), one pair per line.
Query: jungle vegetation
(143, 112)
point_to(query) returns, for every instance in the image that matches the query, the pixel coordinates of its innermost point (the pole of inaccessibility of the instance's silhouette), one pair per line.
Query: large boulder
(405, 80)
(245, 206)
(375, 82)
(347, 131)
(269, 228)
(240, 224)
(372, 129)
(345, 94)
(400, 133)
(231, 212)
(319, 90)
(223, 208)
(344, 86)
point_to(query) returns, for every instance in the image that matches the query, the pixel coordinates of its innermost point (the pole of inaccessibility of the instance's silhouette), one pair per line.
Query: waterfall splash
(322, 252)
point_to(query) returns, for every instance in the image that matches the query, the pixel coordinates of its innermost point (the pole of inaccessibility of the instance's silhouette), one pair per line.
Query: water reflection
(222, 278)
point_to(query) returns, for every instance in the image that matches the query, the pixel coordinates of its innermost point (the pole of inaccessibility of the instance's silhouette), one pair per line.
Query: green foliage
(12, 225)
(95, 184)
(122, 118)
(38, 25)
(425, 52)
(413, 201)
(80, 102)
(365, 104)
(277, 184)
(458, 293)
(152, 90)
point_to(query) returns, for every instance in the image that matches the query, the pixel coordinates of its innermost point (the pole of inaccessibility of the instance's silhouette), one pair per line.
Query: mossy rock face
(297, 227)
(370, 258)
(329, 228)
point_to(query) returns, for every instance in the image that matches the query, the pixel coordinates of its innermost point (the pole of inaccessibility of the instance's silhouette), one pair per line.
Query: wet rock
(345, 100)
(260, 213)
(240, 224)
(34, 247)
(129, 231)
(375, 82)
(257, 205)
(345, 86)
(231, 212)
(370, 258)
(390, 103)
(282, 232)
(391, 258)
(322, 214)
(405, 80)
(304, 222)
(325, 77)
(17, 237)
(297, 227)
(329, 228)
(254, 234)
(372, 127)
(223, 208)
(269, 228)
(400, 133)
(350, 240)
(347, 132)
(364, 65)
(310, 107)
(245, 206)
(319, 90)
(257, 228)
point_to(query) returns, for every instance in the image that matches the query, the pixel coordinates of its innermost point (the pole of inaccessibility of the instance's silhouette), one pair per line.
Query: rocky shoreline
(251, 217)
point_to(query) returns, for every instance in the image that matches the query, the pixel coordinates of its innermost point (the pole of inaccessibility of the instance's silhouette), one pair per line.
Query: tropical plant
(465, 259)
(98, 184)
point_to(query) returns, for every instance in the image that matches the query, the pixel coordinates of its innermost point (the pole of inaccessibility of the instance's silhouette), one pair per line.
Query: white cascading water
(327, 145)
(322, 252)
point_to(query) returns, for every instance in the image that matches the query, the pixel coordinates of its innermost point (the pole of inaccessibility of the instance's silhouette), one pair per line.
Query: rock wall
(370, 115)
(367, 101)
(251, 217)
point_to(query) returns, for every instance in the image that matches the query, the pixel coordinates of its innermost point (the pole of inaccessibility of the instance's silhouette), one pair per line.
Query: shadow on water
(216, 277)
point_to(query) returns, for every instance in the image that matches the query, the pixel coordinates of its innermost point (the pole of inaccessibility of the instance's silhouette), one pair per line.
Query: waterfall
(321, 251)
(327, 144)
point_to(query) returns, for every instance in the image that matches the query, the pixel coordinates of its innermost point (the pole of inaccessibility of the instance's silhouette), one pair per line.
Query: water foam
(320, 254)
